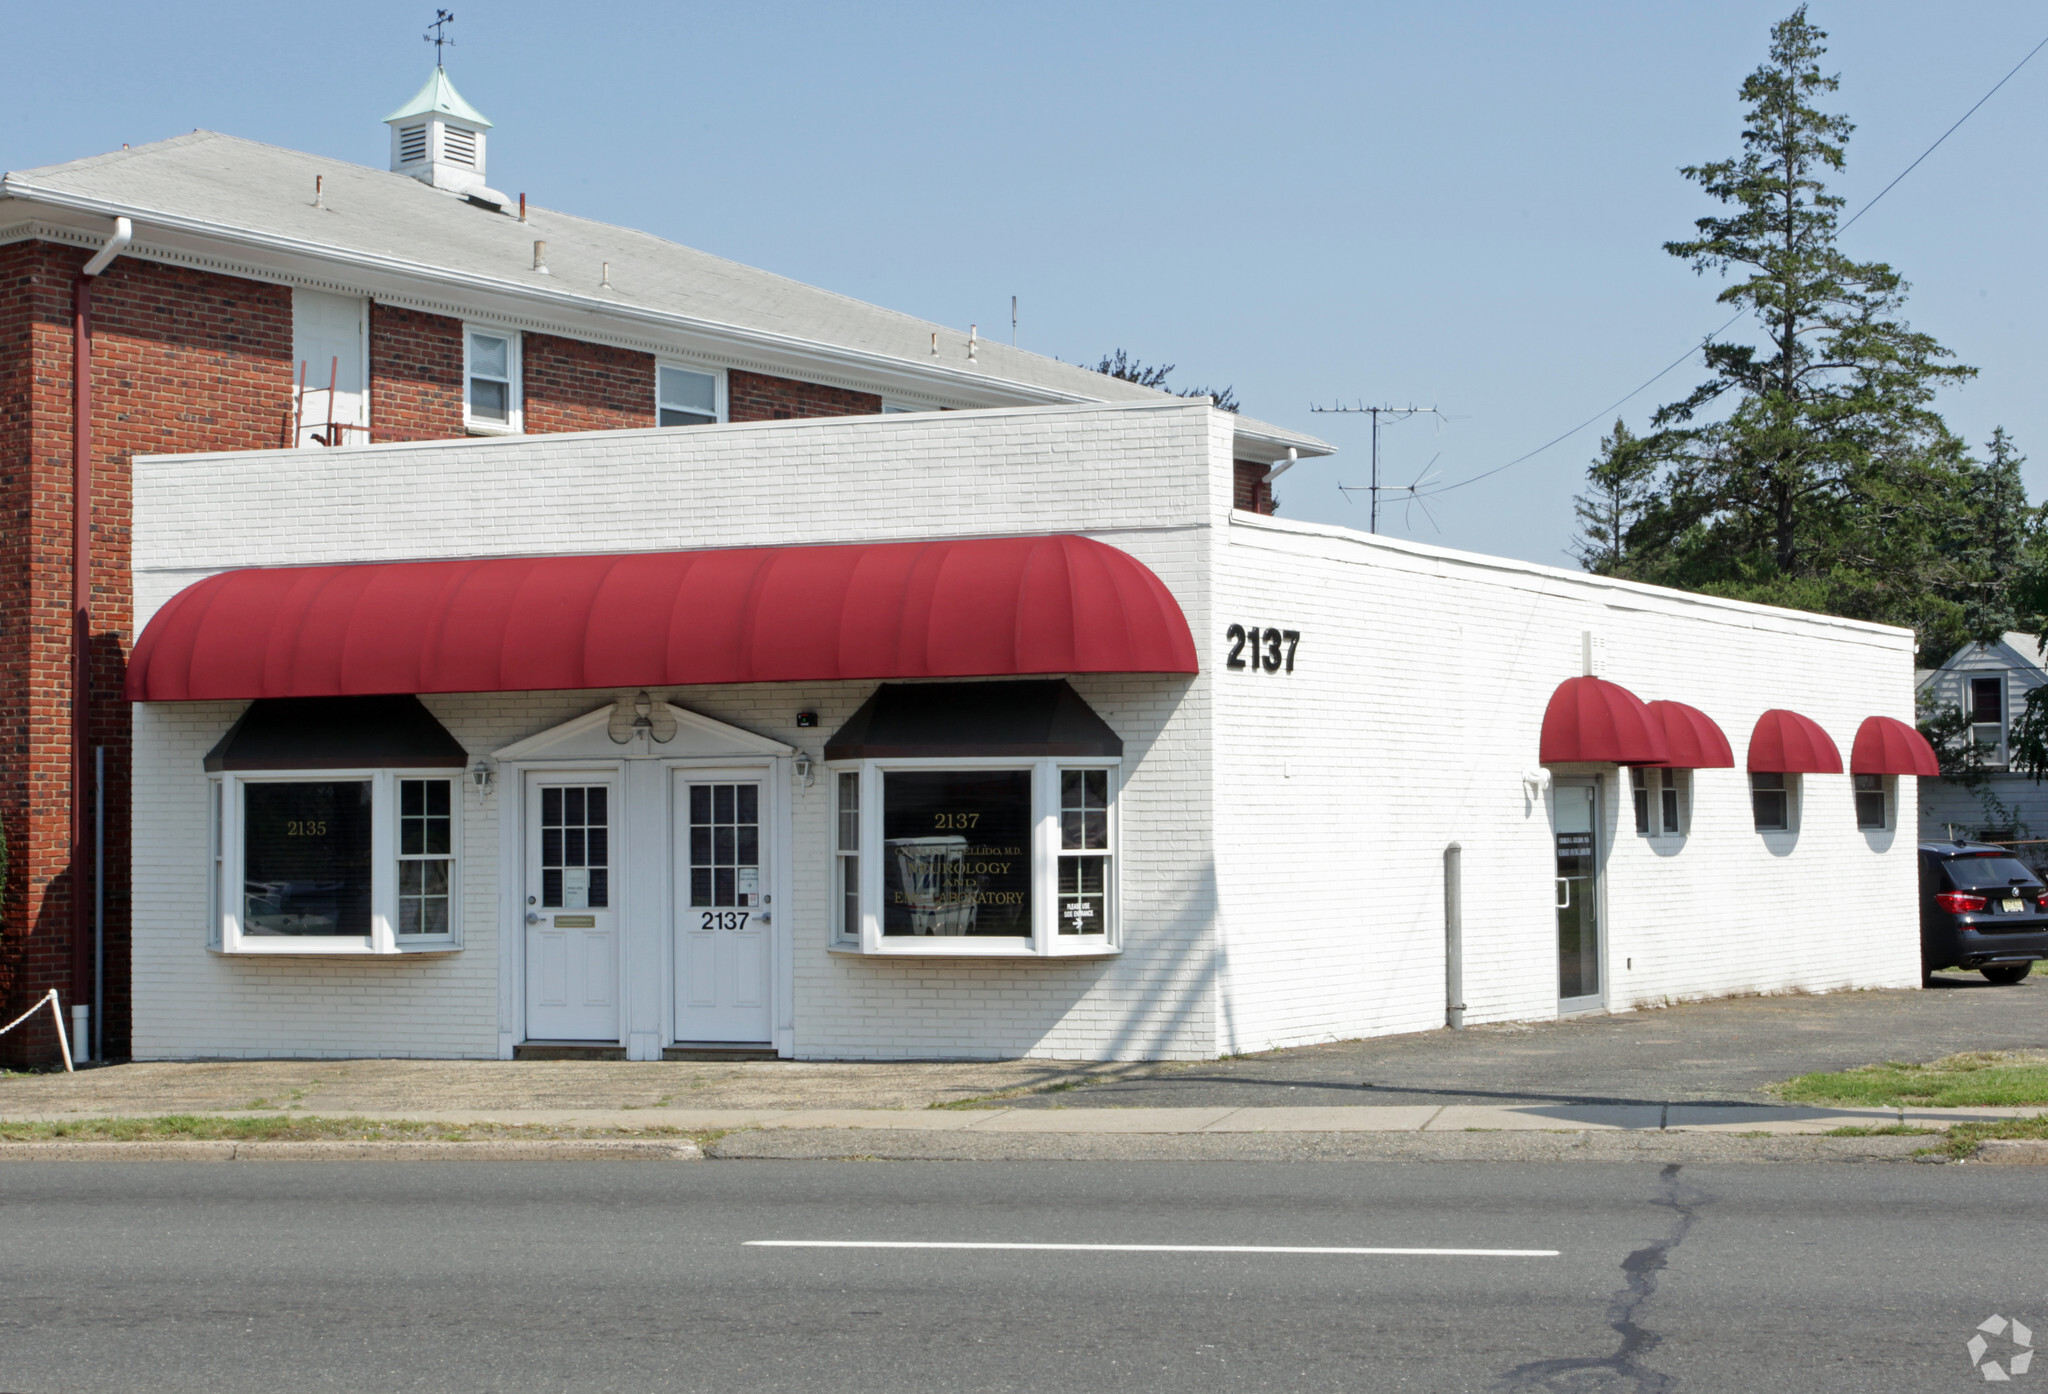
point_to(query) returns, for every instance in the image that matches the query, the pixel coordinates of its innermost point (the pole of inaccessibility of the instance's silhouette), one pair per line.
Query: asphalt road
(621, 1276)
(1723, 1051)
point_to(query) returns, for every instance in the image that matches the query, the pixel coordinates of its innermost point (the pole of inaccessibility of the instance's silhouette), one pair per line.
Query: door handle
(532, 918)
(1564, 893)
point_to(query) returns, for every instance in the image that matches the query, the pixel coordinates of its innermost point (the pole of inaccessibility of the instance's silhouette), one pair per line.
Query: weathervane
(438, 35)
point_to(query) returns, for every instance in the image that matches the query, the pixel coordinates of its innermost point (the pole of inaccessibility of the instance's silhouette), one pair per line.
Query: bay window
(335, 862)
(1009, 859)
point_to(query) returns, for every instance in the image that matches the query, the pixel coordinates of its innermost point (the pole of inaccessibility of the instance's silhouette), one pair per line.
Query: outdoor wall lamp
(803, 767)
(480, 775)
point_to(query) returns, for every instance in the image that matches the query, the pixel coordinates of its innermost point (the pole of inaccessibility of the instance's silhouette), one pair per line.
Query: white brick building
(1340, 837)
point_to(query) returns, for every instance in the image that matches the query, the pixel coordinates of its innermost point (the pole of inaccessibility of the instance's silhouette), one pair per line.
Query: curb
(537, 1150)
(2012, 1152)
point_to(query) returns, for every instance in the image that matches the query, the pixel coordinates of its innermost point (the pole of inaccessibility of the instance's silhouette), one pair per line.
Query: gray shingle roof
(206, 181)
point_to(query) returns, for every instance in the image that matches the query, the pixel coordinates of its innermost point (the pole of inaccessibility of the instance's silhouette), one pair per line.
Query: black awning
(337, 733)
(973, 719)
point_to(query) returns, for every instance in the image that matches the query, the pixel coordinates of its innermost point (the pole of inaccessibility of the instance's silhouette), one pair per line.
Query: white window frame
(720, 406)
(1044, 941)
(1649, 784)
(1887, 785)
(226, 851)
(890, 408)
(1791, 801)
(514, 423)
(1994, 750)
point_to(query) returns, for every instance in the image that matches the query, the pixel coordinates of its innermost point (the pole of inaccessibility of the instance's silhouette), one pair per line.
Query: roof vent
(439, 139)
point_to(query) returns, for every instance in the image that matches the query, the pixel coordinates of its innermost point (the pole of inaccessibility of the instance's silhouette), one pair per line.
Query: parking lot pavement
(1719, 1052)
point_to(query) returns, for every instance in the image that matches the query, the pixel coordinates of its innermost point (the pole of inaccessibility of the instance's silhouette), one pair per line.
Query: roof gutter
(864, 362)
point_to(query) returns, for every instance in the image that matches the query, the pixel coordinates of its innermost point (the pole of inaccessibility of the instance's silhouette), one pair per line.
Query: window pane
(849, 812)
(1084, 809)
(957, 849)
(1642, 801)
(306, 858)
(574, 848)
(1870, 810)
(725, 845)
(489, 356)
(1986, 696)
(849, 895)
(1771, 810)
(1869, 783)
(489, 401)
(1084, 895)
(671, 417)
(690, 392)
(1671, 810)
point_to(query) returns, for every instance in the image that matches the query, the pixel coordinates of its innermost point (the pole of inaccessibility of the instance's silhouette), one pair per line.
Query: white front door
(723, 907)
(572, 918)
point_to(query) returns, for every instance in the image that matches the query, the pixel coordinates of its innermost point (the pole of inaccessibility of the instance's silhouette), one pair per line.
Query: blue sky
(1453, 204)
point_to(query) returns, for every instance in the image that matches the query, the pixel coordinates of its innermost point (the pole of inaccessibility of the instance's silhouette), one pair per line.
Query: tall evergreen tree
(1810, 467)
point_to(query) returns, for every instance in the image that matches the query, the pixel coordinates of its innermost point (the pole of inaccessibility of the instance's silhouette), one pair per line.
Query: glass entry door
(572, 926)
(1576, 807)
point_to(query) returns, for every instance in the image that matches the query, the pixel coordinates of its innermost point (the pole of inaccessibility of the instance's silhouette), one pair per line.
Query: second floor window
(1987, 716)
(491, 399)
(684, 397)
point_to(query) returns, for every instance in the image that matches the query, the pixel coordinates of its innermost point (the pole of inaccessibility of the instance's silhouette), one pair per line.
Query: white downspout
(124, 233)
(1293, 459)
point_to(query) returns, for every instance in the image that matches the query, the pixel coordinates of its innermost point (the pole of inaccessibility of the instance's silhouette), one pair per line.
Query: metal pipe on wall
(81, 593)
(1454, 937)
(98, 1044)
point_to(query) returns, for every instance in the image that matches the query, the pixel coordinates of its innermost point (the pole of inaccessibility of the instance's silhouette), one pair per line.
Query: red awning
(1591, 719)
(977, 608)
(1886, 745)
(1696, 742)
(1788, 743)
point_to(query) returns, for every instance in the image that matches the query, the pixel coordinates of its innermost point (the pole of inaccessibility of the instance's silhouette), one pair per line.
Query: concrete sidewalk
(1126, 1122)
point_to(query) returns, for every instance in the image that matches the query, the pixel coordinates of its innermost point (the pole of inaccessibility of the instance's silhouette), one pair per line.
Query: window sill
(923, 947)
(487, 428)
(333, 948)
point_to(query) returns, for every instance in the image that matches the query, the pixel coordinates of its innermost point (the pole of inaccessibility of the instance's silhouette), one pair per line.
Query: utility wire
(1558, 440)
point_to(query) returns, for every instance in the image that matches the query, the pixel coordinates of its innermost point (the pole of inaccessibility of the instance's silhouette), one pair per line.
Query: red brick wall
(758, 397)
(1250, 491)
(415, 375)
(183, 360)
(571, 385)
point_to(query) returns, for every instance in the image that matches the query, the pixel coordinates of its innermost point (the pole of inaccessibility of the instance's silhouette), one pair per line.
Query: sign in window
(956, 852)
(306, 859)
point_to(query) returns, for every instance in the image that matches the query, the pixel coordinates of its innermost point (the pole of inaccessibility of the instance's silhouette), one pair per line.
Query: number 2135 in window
(1255, 649)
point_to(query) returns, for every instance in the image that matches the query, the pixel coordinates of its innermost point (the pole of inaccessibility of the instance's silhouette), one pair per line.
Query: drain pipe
(83, 969)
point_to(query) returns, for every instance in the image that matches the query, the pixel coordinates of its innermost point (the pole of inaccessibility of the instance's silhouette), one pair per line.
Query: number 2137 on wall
(1254, 648)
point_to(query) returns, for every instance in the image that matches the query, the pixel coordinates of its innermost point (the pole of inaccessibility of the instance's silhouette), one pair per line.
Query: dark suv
(1982, 908)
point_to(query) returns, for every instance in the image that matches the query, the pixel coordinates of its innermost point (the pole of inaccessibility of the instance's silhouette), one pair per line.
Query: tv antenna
(1375, 489)
(438, 33)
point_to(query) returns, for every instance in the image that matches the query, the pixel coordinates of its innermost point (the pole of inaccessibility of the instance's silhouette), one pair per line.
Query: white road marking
(1143, 1248)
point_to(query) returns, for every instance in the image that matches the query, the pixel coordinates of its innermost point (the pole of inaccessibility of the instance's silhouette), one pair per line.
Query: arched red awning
(1787, 743)
(1695, 740)
(980, 607)
(1886, 745)
(1592, 719)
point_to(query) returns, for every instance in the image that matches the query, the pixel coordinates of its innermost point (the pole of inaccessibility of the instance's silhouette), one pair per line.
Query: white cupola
(438, 138)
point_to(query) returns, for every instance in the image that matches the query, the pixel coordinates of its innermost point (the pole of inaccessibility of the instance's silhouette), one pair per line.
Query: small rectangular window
(1870, 801)
(306, 866)
(1771, 802)
(1639, 790)
(1672, 797)
(426, 855)
(725, 845)
(847, 854)
(1987, 700)
(684, 397)
(491, 371)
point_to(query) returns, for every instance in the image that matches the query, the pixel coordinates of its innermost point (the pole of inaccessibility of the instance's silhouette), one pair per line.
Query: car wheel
(2006, 973)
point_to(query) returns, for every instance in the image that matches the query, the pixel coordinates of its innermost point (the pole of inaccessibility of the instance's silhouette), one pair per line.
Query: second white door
(723, 907)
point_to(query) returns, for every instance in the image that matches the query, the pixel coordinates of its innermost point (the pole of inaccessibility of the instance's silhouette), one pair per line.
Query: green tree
(1121, 365)
(1810, 467)
(1623, 491)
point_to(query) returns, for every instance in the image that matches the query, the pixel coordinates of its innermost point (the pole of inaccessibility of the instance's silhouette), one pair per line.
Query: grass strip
(1974, 1079)
(1962, 1139)
(201, 1127)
